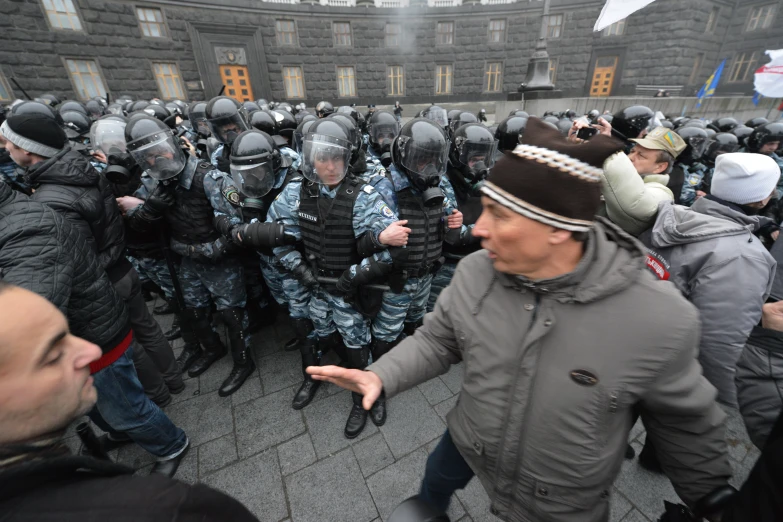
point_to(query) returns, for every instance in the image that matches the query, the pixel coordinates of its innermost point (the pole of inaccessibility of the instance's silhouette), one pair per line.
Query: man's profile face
(769, 147)
(45, 380)
(646, 161)
(516, 245)
(475, 159)
(19, 156)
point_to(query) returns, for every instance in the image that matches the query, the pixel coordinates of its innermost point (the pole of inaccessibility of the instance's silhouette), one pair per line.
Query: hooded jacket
(710, 253)
(552, 370)
(42, 252)
(71, 186)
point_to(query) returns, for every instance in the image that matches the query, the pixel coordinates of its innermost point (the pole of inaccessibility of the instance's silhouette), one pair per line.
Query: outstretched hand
(359, 381)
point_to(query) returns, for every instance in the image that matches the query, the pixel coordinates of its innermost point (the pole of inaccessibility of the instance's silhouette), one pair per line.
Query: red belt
(112, 355)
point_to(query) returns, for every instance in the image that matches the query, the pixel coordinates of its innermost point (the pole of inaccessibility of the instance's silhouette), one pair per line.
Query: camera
(586, 133)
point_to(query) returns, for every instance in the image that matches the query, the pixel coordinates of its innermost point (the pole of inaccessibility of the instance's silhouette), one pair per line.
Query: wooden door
(603, 75)
(237, 82)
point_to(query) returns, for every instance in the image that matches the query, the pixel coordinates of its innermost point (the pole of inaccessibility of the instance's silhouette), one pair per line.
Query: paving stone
(636, 430)
(326, 422)
(645, 490)
(412, 423)
(211, 380)
(266, 422)
(265, 343)
(453, 378)
(635, 516)
(296, 454)
(204, 418)
(341, 492)
(372, 454)
(256, 483)
(191, 390)
(435, 391)
(446, 406)
(476, 502)
(395, 483)
(280, 370)
(216, 453)
(252, 389)
(618, 506)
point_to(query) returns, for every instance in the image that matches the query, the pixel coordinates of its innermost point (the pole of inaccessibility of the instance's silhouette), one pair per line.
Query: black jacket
(82, 489)
(70, 185)
(44, 253)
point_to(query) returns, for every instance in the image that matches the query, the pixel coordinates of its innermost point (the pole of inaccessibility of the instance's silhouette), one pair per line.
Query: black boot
(148, 288)
(168, 307)
(243, 362)
(210, 340)
(292, 345)
(310, 357)
(648, 458)
(357, 360)
(259, 317)
(378, 411)
(175, 332)
(410, 328)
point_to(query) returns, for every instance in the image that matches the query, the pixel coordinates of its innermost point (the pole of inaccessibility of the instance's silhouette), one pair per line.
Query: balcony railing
(392, 3)
(339, 3)
(444, 3)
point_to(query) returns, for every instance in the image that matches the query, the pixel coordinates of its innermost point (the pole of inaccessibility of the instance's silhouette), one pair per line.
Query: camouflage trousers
(441, 280)
(298, 298)
(409, 306)
(155, 270)
(274, 275)
(330, 313)
(254, 279)
(222, 282)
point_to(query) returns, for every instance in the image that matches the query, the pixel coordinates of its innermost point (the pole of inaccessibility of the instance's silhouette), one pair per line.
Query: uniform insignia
(231, 194)
(368, 189)
(584, 377)
(387, 211)
(205, 165)
(308, 217)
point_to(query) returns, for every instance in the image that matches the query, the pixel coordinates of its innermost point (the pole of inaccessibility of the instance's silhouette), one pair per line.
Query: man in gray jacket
(554, 325)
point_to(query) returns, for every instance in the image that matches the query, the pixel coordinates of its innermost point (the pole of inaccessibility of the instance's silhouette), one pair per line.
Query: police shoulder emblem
(231, 194)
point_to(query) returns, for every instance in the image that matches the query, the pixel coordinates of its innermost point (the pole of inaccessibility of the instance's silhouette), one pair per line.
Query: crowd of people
(538, 245)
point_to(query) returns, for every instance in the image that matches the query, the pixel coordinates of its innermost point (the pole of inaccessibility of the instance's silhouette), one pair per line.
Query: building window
(393, 35)
(286, 32)
(554, 26)
(553, 69)
(151, 21)
(86, 78)
(761, 17)
(346, 82)
(445, 33)
(294, 82)
(5, 91)
(696, 68)
(492, 77)
(169, 81)
(443, 75)
(342, 34)
(62, 14)
(616, 29)
(743, 67)
(396, 81)
(497, 31)
(712, 21)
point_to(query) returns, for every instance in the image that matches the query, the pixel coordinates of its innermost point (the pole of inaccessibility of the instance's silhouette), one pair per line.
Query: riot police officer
(631, 123)
(345, 228)
(324, 109)
(689, 164)
(509, 132)
(182, 190)
(382, 129)
(721, 143)
(482, 116)
(227, 118)
(471, 156)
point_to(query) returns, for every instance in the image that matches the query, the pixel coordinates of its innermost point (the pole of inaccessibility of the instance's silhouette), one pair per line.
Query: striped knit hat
(551, 180)
(35, 133)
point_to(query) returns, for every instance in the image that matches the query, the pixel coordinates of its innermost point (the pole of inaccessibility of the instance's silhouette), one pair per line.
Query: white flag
(616, 10)
(768, 80)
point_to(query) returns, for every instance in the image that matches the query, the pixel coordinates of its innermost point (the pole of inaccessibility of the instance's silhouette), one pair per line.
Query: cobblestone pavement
(296, 466)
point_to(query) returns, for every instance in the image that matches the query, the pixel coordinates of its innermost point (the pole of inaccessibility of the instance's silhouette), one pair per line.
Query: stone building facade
(362, 54)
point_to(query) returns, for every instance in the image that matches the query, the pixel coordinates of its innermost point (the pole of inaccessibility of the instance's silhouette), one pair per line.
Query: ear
(660, 168)
(558, 236)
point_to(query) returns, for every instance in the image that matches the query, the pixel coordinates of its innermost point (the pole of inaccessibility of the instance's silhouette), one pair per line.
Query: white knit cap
(744, 178)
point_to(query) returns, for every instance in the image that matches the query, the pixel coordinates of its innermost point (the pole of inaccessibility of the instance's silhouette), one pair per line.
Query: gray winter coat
(710, 253)
(760, 383)
(551, 371)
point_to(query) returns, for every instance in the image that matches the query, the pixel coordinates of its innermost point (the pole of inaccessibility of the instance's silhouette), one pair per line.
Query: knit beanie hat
(551, 180)
(743, 178)
(35, 133)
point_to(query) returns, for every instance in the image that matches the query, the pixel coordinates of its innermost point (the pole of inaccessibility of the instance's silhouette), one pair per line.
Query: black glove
(265, 235)
(305, 276)
(345, 284)
(161, 199)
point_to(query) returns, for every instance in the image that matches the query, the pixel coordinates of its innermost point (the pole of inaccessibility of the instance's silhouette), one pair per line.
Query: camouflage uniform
(329, 312)
(155, 270)
(694, 174)
(11, 177)
(409, 306)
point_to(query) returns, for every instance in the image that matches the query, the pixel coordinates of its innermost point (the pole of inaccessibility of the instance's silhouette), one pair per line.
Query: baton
(333, 281)
(172, 270)
(20, 88)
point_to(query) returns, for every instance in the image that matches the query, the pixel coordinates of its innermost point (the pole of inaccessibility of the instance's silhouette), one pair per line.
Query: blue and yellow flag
(711, 84)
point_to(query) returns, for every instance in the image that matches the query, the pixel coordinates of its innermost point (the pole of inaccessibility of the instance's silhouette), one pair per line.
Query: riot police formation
(350, 224)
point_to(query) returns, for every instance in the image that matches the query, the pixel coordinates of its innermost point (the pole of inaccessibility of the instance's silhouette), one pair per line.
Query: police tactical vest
(426, 238)
(471, 210)
(327, 225)
(260, 210)
(190, 218)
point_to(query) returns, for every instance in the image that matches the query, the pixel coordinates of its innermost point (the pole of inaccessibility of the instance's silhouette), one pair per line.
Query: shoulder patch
(205, 165)
(382, 208)
(231, 194)
(368, 189)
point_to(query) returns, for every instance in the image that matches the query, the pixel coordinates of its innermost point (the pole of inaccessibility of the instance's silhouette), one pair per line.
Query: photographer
(633, 185)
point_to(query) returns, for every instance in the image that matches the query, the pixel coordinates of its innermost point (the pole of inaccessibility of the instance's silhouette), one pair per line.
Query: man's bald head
(45, 380)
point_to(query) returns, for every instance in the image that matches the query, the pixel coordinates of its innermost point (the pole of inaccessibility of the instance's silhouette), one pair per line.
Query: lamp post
(537, 78)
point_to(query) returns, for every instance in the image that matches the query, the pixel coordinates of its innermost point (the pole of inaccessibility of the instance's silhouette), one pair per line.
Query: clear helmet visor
(325, 159)
(698, 146)
(228, 128)
(298, 141)
(108, 136)
(478, 156)
(384, 133)
(424, 161)
(439, 116)
(158, 154)
(116, 109)
(201, 126)
(254, 181)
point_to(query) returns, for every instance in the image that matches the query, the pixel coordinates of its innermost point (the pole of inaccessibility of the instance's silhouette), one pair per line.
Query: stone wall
(658, 48)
